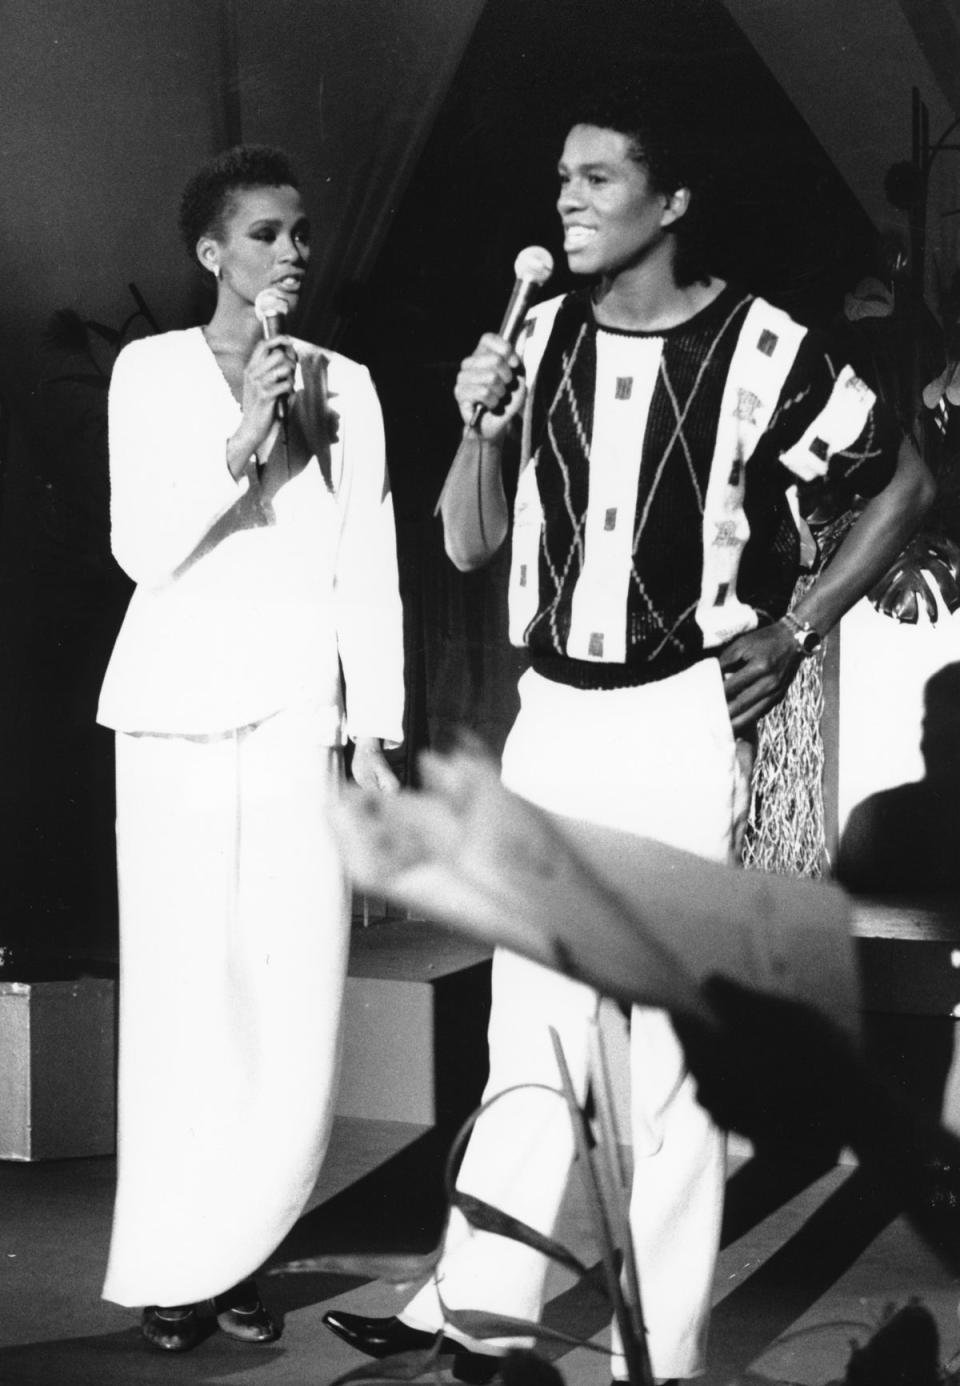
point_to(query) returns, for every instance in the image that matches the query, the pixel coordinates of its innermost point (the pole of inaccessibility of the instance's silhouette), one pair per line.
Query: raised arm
(473, 503)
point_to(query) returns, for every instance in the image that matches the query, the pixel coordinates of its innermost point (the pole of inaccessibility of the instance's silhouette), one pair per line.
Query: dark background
(481, 187)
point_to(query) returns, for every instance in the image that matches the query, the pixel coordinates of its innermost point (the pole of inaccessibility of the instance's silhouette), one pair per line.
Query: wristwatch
(808, 640)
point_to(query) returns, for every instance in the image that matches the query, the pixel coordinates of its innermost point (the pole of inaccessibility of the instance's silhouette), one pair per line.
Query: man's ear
(675, 206)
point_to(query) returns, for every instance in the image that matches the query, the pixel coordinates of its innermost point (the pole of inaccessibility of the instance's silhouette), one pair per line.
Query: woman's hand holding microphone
(268, 377)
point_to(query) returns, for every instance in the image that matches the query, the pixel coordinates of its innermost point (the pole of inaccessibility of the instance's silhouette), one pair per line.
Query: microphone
(271, 310)
(533, 267)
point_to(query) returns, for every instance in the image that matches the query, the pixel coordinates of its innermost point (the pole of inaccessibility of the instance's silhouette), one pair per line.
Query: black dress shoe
(384, 1337)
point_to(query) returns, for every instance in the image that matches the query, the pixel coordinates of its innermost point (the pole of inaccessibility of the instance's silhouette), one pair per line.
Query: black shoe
(177, 1329)
(242, 1315)
(384, 1337)
(253, 1325)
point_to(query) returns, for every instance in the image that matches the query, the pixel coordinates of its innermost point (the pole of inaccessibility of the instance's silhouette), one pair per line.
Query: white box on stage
(57, 1068)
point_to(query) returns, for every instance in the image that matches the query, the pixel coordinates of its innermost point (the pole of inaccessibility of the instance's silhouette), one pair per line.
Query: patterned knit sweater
(655, 516)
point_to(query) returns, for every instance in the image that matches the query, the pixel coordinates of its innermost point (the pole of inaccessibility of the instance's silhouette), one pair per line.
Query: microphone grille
(534, 264)
(269, 304)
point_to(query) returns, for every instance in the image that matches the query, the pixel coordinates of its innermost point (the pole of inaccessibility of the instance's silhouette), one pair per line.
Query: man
(667, 420)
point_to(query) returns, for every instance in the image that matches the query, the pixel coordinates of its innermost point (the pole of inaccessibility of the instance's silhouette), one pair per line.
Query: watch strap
(808, 639)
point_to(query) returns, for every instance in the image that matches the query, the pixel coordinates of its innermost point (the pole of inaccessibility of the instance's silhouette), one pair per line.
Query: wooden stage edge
(909, 954)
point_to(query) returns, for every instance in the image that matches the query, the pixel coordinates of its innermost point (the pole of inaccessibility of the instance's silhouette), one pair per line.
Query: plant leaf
(951, 599)
(929, 600)
(928, 558)
(142, 307)
(895, 596)
(947, 551)
(397, 1269)
(477, 1323)
(109, 334)
(486, 1218)
(942, 574)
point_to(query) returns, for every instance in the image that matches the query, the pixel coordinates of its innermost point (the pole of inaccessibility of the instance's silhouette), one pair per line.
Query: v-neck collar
(211, 355)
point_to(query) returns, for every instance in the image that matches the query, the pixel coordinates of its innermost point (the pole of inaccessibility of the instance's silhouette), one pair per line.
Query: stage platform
(909, 954)
(414, 1025)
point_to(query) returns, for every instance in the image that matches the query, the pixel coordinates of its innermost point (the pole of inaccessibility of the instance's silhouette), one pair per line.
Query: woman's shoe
(242, 1314)
(176, 1328)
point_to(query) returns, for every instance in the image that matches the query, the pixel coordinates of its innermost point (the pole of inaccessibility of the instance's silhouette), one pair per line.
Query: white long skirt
(234, 927)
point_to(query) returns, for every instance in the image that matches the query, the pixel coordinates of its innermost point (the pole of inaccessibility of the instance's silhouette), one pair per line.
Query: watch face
(809, 641)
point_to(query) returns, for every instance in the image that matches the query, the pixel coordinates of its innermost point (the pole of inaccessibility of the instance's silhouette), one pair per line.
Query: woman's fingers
(270, 370)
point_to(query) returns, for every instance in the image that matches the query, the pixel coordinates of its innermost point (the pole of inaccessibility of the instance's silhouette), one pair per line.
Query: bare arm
(758, 667)
(473, 504)
(873, 542)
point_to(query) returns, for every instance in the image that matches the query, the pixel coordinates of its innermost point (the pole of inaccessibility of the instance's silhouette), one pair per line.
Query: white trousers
(234, 928)
(659, 761)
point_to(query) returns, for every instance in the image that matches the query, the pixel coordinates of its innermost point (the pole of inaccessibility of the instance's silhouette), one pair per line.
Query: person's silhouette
(904, 841)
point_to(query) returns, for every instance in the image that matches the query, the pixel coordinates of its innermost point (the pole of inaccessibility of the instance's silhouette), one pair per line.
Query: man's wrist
(806, 637)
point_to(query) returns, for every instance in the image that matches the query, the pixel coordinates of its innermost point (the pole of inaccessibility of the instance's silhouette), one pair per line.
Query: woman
(249, 503)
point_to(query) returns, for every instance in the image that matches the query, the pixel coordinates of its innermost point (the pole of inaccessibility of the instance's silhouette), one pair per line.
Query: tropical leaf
(486, 1218)
(109, 334)
(946, 580)
(70, 334)
(946, 550)
(477, 1323)
(403, 1268)
(899, 596)
(142, 308)
(905, 588)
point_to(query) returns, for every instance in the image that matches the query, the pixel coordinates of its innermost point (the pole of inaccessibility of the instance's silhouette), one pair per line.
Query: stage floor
(794, 1288)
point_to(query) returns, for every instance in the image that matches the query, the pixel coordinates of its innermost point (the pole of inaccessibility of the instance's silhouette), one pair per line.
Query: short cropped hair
(669, 143)
(209, 196)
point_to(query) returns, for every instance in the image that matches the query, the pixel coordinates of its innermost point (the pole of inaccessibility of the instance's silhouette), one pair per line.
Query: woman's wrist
(241, 454)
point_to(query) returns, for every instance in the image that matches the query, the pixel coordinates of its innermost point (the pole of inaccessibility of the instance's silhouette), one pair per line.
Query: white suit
(225, 692)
